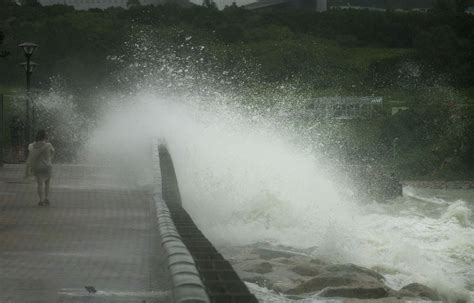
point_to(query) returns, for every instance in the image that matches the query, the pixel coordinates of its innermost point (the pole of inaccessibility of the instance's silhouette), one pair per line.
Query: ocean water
(249, 176)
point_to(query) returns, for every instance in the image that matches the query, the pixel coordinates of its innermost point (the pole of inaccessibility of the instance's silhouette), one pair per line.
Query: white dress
(40, 155)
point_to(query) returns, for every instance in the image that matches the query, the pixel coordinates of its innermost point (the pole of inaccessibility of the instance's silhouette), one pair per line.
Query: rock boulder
(361, 292)
(349, 276)
(416, 290)
(306, 270)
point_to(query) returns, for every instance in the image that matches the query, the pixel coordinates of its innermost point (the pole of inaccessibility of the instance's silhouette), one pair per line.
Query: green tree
(230, 32)
(30, 3)
(4, 3)
(209, 4)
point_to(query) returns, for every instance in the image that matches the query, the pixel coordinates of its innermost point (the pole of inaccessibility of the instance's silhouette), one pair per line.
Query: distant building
(345, 108)
(268, 5)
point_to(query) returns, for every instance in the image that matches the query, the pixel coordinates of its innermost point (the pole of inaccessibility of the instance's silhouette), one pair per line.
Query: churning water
(248, 176)
(256, 173)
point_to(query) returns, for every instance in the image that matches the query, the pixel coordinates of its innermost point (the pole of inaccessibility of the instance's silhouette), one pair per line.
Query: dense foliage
(412, 55)
(325, 49)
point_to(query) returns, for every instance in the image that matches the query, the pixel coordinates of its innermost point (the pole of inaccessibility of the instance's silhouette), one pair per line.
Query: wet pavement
(99, 231)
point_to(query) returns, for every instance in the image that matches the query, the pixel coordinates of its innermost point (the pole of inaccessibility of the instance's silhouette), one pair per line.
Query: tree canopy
(344, 51)
(325, 49)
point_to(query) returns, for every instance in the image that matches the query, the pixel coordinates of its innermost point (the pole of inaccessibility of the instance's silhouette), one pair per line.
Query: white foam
(411, 192)
(246, 178)
(459, 212)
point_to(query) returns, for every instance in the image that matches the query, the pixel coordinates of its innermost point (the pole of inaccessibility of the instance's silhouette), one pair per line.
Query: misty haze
(236, 151)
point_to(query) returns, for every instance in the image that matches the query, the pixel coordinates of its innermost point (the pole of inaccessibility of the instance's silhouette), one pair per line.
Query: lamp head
(28, 47)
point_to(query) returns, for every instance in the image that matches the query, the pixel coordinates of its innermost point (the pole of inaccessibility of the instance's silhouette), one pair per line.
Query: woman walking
(38, 164)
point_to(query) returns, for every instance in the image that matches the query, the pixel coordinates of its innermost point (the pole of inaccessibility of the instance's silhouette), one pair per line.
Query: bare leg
(46, 189)
(39, 183)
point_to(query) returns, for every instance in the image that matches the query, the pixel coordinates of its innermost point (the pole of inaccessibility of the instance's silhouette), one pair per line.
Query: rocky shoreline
(296, 276)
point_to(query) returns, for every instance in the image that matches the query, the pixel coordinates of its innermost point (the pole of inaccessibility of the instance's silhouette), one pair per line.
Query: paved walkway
(99, 231)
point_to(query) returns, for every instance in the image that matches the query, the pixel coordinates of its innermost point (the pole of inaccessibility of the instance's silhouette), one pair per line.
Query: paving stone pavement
(99, 231)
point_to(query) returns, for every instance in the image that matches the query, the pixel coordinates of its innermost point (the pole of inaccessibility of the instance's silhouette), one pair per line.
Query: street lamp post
(28, 48)
(29, 67)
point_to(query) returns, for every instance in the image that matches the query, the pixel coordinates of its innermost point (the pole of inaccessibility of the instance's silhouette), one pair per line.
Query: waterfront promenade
(99, 231)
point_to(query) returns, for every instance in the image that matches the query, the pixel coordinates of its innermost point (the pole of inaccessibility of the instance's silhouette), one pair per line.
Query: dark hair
(41, 135)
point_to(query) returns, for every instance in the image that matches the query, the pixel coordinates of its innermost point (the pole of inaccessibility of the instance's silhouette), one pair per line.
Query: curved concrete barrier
(199, 272)
(185, 278)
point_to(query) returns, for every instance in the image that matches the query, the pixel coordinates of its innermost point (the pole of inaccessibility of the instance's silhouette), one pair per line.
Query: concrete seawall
(199, 273)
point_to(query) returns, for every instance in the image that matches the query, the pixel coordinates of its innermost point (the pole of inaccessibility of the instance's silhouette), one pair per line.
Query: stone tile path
(99, 231)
